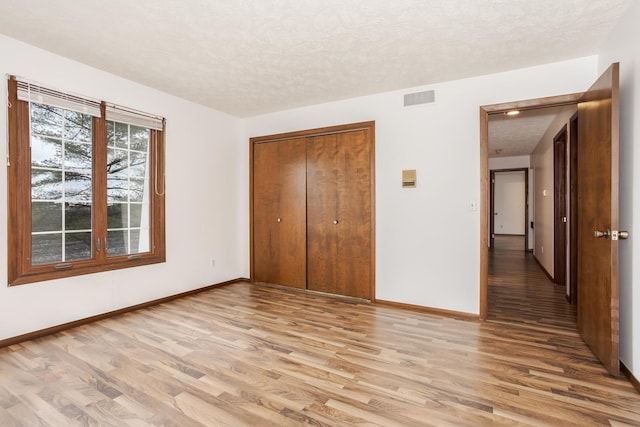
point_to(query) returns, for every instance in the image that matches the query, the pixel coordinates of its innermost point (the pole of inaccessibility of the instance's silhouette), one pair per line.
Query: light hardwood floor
(519, 291)
(257, 355)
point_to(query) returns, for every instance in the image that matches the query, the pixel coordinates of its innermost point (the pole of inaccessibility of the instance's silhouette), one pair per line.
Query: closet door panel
(321, 213)
(353, 195)
(264, 208)
(279, 212)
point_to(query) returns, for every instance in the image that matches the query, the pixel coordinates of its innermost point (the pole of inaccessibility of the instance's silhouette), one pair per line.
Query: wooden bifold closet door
(339, 214)
(312, 213)
(279, 213)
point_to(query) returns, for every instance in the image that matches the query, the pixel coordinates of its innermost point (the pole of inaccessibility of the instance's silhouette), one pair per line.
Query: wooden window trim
(20, 270)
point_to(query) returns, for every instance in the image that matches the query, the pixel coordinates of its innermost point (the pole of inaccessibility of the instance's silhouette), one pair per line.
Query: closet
(312, 212)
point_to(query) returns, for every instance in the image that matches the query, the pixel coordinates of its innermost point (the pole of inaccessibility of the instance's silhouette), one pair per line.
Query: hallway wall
(543, 195)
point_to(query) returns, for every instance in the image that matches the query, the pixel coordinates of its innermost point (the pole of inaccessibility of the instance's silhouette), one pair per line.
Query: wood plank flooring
(519, 291)
(260, 356)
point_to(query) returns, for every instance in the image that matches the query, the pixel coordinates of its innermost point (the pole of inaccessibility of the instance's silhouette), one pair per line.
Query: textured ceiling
(247, 57)
(519, 135)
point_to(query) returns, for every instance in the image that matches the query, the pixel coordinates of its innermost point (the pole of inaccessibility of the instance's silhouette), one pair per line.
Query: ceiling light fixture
(498, 150)
(512, 113)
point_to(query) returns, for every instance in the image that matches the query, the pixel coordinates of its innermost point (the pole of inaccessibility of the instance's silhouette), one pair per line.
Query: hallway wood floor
(519, 291)
(259, 356)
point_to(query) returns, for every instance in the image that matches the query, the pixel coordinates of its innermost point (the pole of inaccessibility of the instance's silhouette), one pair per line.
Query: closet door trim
(330, 130)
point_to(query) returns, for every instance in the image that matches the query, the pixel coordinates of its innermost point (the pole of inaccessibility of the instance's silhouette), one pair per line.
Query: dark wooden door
(598, 318)
(279, 211)
(339, 214)
(492, 209)
(560, 207)
(573, 210)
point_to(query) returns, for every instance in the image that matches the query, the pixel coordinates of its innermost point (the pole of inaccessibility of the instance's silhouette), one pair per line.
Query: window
(86, 185)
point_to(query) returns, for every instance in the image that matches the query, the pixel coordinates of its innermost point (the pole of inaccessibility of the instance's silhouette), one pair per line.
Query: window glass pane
(77, 187)
(46, 216)
(46, 121)
(139, 138)
(46, 152)
(117, 190)
(61, 171)
(78, 126)
(117, 163)
(46, 248)
(139, 241)
(117, 242)
(77, 246)
(46, 184)
(126, 163)
(139, 214)
(77, 156)
(117, 135)
(128, 190)
(138, 190)
(77, 216)
(117, 215)
(138, 164)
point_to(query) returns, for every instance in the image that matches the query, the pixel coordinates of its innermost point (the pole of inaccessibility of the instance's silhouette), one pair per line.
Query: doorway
(485, 111)
(598, 112)
(509, 205)
(521, 286)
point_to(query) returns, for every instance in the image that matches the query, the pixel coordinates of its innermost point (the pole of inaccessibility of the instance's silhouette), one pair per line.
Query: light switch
(409, 178)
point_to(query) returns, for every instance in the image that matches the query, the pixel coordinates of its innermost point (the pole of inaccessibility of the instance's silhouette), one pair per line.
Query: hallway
(520, 291)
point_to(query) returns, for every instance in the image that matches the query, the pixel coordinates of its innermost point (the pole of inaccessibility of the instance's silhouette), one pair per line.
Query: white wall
(623, 47)
(427, 239)
(543, 195)
(509, 203)
(513, 162)
(202, 202)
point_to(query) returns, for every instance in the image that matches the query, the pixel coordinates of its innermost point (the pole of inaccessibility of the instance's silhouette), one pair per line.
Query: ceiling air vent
(419, 98)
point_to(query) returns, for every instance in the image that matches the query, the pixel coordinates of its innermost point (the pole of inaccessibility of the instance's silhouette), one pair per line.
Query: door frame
(573, 210)
(492, 204)
(560, 216)
(485, 111)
